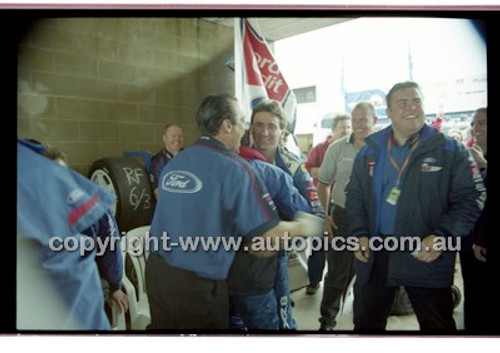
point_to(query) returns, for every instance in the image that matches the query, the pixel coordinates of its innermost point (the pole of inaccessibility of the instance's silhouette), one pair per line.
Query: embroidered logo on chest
(427, 165)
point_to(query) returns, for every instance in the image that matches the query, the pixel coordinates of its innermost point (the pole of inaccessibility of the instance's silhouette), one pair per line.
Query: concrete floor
(306, 312)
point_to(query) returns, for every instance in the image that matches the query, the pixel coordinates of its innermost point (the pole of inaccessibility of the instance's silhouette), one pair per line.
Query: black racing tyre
(129, 182)
(402, 304)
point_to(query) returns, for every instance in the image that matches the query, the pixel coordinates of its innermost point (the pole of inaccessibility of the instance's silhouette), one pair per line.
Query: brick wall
(95, 87)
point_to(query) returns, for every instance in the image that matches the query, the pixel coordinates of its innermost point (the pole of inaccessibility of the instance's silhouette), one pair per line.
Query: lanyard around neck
(400, 170)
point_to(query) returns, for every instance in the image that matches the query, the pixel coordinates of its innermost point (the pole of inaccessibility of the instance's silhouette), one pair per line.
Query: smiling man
(409, 180)
(336, 170)
(173, 142)
(268, 124)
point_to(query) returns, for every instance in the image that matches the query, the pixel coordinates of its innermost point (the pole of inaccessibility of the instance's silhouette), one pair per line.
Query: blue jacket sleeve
(109, 257)
(288, 198)
(304, 183)
(280, 186)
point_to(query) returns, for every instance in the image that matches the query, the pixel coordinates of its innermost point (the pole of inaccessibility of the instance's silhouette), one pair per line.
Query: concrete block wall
(95, 87)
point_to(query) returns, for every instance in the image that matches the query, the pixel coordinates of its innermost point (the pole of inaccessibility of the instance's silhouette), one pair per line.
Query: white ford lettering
(181, 181)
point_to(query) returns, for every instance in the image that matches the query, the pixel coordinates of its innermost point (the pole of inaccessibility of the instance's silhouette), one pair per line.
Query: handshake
(312, 225)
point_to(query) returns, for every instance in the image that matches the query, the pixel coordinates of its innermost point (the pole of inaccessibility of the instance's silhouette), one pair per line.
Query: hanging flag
(257, 75)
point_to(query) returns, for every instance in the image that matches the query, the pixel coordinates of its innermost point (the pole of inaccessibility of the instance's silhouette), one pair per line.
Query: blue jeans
(282, 290)
(258, 312)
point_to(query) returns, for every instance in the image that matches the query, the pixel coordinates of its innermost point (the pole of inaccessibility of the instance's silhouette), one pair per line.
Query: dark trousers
(477, 306)
(180, 299)
(340, 271)
(316, 266)
(373, 302)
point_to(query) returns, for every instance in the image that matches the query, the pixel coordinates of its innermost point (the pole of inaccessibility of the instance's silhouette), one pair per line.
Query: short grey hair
(338, 118)
(213, 111)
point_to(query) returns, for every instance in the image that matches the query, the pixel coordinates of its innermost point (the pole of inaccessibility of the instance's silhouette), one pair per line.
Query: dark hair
(214, 109)
(399, 86)
(55, 153)
(35, 142)
(245, 140)
(482, 110)
(273, 107)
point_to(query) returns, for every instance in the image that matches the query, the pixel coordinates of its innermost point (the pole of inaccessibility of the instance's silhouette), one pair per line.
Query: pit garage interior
(96, 87)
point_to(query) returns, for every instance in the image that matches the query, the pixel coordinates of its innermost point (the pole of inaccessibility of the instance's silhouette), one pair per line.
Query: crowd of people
(359, 187)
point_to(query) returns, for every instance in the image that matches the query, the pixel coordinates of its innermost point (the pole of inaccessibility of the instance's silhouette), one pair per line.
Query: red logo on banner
(267, 72)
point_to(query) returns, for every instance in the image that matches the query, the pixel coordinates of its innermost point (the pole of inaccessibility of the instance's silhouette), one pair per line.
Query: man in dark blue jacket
(259, 288)
(412, 194)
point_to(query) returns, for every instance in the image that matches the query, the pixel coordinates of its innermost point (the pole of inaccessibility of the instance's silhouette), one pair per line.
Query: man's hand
(478, 155)
(363, 253)
(329, 227)
(428, 252)
(120, 299)
(479, 252)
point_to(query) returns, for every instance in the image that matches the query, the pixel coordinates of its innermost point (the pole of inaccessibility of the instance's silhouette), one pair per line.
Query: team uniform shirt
(158, 162)
(337, 167)
(389, 210)
(209, 194)
(288, 200)
(262, 274)
(71, 203)
(302, 180)
(285, 195)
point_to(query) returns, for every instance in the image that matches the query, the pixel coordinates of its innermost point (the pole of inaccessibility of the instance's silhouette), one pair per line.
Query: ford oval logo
(74, 196)
(181, 181)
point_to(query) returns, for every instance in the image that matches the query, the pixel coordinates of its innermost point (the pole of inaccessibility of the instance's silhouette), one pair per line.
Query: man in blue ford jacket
(207, 193)
(58, 289)
(409, 181)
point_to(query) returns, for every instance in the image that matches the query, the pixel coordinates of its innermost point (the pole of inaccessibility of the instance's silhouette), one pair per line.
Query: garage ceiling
(276, 28)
